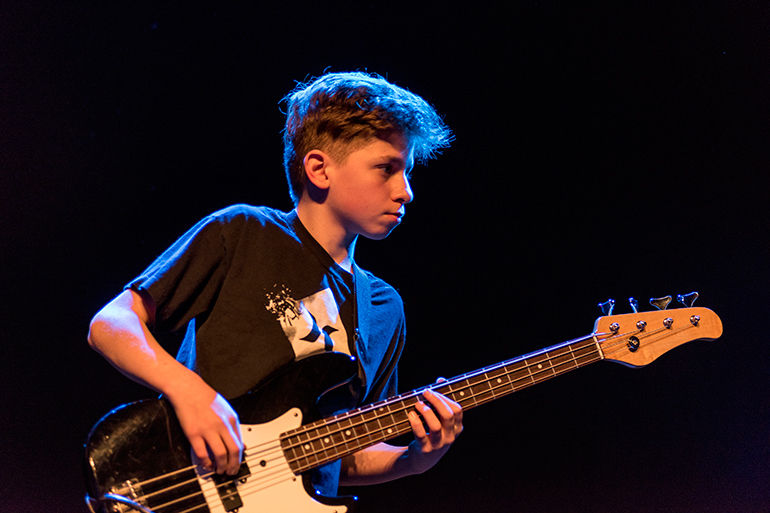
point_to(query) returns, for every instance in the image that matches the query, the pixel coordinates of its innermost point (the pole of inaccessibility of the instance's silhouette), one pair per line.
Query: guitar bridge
(125, 499)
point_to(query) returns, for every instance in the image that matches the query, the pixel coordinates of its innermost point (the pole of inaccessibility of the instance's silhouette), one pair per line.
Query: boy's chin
(378, 235)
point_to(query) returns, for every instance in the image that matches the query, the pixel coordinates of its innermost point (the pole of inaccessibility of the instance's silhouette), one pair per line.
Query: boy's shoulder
(243, 216)
(240, 221)
(249, 213)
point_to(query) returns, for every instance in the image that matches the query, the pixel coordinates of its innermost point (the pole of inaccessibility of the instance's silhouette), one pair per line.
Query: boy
(256, 288)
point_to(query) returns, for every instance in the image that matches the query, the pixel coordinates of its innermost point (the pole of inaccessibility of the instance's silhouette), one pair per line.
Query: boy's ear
(316, 163)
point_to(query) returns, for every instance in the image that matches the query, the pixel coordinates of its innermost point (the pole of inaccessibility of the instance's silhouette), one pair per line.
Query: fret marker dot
(390, 430)
(307, 447)
(347, 432)
(539, 366)
(326, 440)
(499, 380)
(462, 393)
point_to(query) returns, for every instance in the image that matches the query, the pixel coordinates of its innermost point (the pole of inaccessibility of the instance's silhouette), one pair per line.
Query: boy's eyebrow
(395, 160)
(392, 158)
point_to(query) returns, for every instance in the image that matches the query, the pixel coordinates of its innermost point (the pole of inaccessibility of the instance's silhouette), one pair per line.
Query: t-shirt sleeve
(185, 279)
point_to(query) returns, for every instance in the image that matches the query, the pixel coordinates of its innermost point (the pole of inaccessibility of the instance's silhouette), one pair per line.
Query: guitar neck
(327, 440)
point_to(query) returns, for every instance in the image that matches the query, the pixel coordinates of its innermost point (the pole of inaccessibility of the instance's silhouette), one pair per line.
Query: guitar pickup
(227, 487)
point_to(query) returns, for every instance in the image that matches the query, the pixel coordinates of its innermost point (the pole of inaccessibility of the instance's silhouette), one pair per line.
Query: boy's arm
(383, 462)
(120, 333)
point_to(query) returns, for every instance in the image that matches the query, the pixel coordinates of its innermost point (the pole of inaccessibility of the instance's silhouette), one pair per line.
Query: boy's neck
(328, 233)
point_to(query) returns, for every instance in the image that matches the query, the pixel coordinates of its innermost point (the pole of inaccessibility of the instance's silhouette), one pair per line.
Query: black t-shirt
(255, 291)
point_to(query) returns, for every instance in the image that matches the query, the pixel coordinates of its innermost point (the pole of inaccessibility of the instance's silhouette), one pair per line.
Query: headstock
(638, 338)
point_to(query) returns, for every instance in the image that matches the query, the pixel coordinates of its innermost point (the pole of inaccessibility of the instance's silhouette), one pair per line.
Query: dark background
(605, 151)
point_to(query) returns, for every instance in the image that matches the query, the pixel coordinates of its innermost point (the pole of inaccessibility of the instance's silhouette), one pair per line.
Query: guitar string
(405, 399)
(403, 426)
(360, 412)
(611, 345)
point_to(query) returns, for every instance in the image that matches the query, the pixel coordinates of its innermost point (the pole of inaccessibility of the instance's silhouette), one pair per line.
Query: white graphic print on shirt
(312, 324)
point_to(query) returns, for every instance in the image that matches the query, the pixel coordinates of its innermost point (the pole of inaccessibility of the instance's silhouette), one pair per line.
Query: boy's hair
(337, 110)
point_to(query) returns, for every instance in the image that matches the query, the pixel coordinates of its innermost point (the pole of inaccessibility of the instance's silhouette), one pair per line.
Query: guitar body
(138, 459)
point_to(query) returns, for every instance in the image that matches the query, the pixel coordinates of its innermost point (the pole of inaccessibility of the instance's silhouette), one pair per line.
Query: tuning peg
(661, 303)
(607, 306)
(634, 304)
(687, 299)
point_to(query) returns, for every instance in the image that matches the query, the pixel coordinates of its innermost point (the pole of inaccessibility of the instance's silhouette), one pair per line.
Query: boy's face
(369, 189)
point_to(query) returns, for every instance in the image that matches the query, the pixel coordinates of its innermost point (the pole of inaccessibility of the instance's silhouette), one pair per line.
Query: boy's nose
(404, 192)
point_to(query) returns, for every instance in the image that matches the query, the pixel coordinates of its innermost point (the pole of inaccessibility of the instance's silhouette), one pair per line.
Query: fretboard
(326, 440)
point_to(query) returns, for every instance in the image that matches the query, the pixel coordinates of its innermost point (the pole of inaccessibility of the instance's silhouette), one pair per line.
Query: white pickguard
(272, 487)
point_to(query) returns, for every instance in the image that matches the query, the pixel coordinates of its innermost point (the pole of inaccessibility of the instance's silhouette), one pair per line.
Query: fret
(370, 427)
(450, 389)
(521, 378)
(379, 430)
(311, 446)
(327, 441)
(530, 378)
(348, 433)
(390, 421)
(540, 367)
(480, 388)
(302, 451)
(500, 380)
(563, 360)
(586, 355)
(461, 392)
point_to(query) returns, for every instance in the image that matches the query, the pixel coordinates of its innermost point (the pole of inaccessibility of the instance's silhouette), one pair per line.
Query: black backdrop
(608, 151)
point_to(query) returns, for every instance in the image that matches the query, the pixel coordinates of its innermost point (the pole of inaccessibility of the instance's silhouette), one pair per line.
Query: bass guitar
(137, 458)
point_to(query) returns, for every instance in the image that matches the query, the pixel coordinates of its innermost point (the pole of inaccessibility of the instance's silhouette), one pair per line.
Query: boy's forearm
(379, 463)
(119, 333)
(383, 462)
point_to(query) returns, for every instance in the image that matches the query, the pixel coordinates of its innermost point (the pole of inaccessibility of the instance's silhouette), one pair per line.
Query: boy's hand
(212, 427)
(444, 426)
